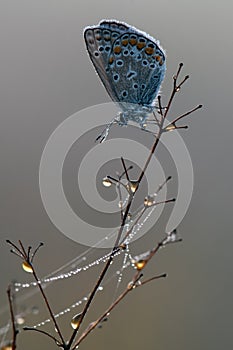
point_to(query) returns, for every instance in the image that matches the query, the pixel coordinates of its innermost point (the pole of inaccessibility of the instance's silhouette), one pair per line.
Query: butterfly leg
(104, 134)
(122, 119)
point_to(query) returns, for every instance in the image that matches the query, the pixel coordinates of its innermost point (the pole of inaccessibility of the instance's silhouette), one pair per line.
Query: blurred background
(46, 76)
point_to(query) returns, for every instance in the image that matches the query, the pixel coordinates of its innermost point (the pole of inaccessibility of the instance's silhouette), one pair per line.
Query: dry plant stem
(48, 305)
(133, 285)
(14, 330)
(43, 332)
(117, 181)
(186, 114)
(174, 91)
(125, 169)
(109, 260)
(120, 198)
(103, 273)
(124, 215)
(131, 228)
(131, 197)
(139, 217)
(23, 249)
(136, 277)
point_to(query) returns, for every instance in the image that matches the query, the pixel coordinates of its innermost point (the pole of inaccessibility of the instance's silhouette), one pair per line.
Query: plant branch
(43, 332)
(47, 304)
(14, 330)
(130, 200)
(132, 285)
(185, 114)
(103, 273)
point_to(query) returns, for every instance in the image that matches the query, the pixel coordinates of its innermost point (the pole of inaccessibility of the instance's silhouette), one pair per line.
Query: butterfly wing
(99, 41)
(130, 64)
(137, 67)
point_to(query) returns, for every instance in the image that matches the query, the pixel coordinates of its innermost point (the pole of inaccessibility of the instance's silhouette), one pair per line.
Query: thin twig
(14, 329)
(160, 105)
(186, 114)
(43, 332)
(16, 248)
(131, 286)
(103, 273)
(48, 305)
(125, 169)
(130, 200)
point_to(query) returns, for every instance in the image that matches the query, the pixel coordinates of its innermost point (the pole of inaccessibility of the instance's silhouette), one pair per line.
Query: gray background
(46, 76)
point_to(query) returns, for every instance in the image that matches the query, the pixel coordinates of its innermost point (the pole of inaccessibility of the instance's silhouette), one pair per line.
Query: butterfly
(131, 66)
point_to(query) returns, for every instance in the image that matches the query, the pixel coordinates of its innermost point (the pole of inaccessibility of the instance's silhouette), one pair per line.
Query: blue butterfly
(131, 65)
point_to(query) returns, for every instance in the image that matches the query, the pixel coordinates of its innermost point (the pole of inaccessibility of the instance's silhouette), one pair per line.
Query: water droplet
(100, 288)
(131, 285)
(129, 216)
(19, 319)
(106, 182)
(76, 320)
(149, 201)
(27, 267)
(139, 264)
(132, 186)
(123, 246)
(170, 127)
(120, 204)
(171, 237)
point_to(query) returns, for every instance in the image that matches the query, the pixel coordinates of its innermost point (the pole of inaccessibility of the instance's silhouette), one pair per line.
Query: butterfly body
(131, 65)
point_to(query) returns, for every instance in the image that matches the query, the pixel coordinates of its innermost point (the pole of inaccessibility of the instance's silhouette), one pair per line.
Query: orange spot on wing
(125, 42)
(141, 45)
(107, 37)
(117, 49)
(149, 50)
(133, 41)
(111, 59)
